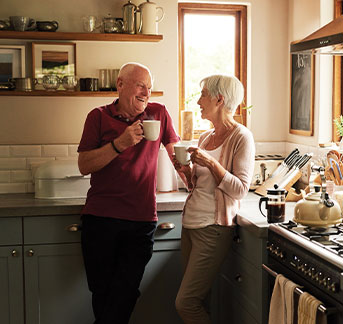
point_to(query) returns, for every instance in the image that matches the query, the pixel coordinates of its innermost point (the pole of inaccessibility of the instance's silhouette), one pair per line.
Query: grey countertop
(249, 215)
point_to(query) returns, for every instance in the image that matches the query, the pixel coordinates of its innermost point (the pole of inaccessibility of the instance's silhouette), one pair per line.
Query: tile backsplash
(19, 162)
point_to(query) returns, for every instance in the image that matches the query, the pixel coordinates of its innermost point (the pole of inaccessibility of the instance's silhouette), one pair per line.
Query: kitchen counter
(27, 205)
(249, 215)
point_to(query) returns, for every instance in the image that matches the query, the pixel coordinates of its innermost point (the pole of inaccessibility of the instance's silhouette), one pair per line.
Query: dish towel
(307, 310)
(281, 310)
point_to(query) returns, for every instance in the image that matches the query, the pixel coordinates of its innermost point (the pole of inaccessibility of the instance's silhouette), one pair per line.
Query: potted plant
(339, 127)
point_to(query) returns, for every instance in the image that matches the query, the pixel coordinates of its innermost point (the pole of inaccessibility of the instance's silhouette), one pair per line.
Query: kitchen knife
(284, 163)
(293, 173)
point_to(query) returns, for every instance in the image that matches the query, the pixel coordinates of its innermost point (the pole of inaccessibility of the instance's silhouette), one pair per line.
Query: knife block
(270, 182)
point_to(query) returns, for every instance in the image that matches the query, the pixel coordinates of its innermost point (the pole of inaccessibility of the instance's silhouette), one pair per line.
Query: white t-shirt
(200, 208)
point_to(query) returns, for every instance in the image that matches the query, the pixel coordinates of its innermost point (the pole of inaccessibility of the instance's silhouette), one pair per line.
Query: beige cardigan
(237, 157)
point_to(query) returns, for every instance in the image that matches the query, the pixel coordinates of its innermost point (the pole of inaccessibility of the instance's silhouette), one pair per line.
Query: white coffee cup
(181, 153)
(151, 129)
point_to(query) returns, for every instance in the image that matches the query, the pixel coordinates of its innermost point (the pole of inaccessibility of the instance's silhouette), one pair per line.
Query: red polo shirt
(126, 187)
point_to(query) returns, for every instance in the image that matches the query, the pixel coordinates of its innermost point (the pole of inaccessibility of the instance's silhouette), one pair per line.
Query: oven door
(330, 307)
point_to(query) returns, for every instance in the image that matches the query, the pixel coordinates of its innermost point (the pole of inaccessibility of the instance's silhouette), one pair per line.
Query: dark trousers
(115, 254)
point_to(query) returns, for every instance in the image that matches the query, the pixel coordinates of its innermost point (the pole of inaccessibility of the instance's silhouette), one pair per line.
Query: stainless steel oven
(315, 266)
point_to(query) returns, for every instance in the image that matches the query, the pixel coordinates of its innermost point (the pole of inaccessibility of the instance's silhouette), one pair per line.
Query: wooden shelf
(63, 93)
(37, 35)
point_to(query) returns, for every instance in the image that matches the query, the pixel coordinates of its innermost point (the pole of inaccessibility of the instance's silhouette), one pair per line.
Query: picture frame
(12, 62)
(53, 58)
(302, 87)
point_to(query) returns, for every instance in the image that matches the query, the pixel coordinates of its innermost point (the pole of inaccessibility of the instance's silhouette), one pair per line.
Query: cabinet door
(11, 285)
(56, 289)
(159, 287)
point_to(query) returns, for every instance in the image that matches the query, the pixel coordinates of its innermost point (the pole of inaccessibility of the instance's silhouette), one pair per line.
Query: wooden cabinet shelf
(62, 93)
(36, 35)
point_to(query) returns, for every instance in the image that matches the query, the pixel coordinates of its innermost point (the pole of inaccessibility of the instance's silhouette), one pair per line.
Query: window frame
(240, 13)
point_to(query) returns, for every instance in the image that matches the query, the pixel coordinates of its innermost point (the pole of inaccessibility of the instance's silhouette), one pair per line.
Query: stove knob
(333, 287)
(327, 283)
(320, 278)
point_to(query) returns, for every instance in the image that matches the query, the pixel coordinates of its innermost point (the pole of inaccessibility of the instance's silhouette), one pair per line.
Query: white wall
(318, 14)
(45, 120)
(48, 120)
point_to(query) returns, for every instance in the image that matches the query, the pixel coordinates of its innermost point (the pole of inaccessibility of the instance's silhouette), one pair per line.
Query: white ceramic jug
(149, 17)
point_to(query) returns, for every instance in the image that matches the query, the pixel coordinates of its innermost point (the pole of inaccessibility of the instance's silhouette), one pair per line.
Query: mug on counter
(275, 203)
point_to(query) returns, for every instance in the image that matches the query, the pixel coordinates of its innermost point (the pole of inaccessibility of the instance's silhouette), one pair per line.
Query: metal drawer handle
(238, 277)
(14, 253)
(237, 239)
(166, 226)
(30, 253)
(73, 228)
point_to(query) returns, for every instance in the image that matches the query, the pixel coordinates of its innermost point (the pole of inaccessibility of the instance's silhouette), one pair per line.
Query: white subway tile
(67, 158)
(4, 151)
(34, 162)
(72, 149)
(12, 187)
(5, 176)
(21, 176)
(54, 150)
(25, 150)
(270, 147)
(12, 163)
(30, 188)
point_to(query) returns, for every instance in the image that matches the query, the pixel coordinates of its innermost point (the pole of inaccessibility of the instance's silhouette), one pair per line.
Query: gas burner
(321, 231)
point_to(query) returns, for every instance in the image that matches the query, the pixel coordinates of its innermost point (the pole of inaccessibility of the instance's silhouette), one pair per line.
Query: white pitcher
(149, 17)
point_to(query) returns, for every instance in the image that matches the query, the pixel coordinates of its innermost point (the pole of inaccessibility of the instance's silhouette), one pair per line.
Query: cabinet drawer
(168, 226)
(52, 229)
(10, 231)
(250, 247)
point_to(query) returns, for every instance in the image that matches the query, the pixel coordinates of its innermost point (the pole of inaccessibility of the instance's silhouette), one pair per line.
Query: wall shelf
(36, 35)
(63, 93)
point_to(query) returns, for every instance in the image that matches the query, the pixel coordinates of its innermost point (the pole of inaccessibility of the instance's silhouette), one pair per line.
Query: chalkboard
(302, 94)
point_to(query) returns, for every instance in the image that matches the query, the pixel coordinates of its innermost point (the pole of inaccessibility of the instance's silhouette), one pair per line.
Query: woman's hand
(200, 157)
(180, 167)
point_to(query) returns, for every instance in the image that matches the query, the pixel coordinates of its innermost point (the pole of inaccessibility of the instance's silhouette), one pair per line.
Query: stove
(312, 258)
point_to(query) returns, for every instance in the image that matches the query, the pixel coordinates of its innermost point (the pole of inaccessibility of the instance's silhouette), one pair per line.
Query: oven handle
(298, 291)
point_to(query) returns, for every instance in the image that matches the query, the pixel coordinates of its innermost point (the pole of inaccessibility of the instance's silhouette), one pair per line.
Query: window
(212, 39)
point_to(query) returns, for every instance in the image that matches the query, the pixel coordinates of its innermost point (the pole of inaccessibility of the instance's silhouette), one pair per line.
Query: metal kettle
(150, 15)
(317, 209)
(129, 18)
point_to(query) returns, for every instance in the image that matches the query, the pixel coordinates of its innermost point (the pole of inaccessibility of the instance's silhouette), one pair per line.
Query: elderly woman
(220, 175)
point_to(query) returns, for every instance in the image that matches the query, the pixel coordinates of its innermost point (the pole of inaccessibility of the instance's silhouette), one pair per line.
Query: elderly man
(119, 217)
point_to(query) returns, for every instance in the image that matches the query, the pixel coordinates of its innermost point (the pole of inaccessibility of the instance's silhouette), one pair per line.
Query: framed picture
(302, 94)
(12, 62)
(53, 58)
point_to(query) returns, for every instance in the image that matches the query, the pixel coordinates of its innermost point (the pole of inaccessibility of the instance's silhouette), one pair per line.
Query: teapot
(149, 17)
(112, 25)
(317, 209)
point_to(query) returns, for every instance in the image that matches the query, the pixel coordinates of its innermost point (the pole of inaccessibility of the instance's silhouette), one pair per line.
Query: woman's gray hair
(228, 86)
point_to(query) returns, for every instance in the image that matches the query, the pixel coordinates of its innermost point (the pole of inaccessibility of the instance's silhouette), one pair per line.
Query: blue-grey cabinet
(162, 276)
(240, 292)
(11, 271)
(42, 277)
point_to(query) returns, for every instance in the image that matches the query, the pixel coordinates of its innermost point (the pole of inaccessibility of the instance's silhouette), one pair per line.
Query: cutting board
(270, 182)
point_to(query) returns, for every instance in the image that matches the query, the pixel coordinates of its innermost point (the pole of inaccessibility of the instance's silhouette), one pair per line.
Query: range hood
(326, 40)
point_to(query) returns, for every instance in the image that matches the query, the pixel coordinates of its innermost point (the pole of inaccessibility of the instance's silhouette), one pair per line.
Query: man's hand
(132, 135)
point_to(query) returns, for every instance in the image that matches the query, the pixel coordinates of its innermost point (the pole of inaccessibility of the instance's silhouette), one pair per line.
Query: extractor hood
(326, 40)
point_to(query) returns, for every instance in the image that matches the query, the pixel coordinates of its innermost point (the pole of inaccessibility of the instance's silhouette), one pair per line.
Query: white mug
(151, 129)
(181, 153)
